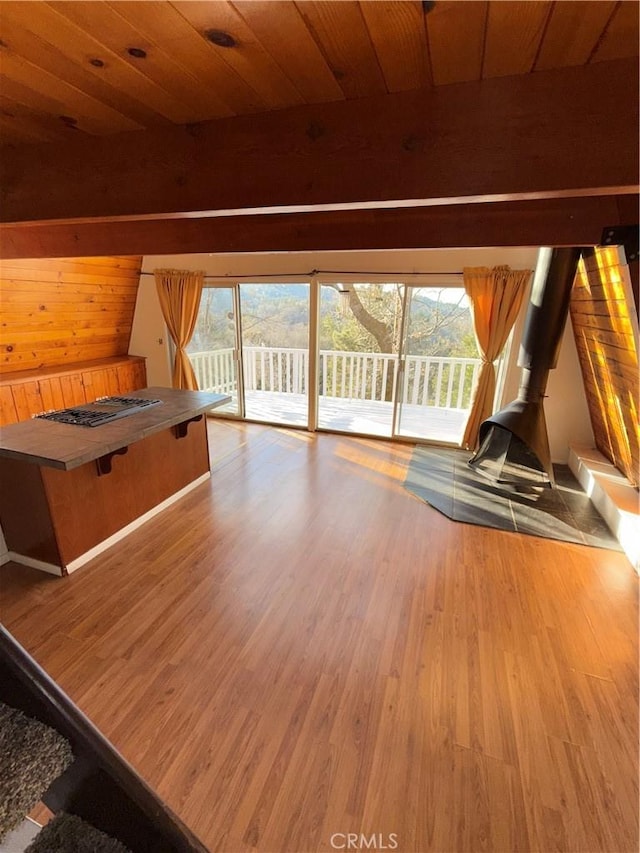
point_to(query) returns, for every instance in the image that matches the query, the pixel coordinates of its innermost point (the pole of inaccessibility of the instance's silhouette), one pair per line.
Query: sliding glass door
(440, 364)
(251, 342)
(275, 352)
(392, 358)
(396, 359)
(358, 356)
(213, 349)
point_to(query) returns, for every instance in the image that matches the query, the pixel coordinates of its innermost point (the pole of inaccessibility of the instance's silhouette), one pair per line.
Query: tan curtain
(179, 292)
(496, 297)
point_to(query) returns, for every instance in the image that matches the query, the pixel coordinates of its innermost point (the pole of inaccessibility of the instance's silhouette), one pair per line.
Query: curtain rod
(311, 273)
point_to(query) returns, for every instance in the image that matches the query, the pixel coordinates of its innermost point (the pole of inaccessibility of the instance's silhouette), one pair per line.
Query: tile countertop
(67, 446)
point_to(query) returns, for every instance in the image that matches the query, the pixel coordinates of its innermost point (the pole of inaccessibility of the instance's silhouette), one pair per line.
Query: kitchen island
(67, 492)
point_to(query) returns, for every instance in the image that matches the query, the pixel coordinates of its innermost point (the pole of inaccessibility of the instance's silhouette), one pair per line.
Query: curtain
(179, 292)
(496, 298)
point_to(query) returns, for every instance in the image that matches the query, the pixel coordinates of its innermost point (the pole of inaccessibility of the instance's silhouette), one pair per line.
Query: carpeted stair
(32, 756)
(69, 834)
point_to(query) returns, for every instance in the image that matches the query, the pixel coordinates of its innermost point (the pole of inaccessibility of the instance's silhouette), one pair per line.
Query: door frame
(398, 397)
(234, 287)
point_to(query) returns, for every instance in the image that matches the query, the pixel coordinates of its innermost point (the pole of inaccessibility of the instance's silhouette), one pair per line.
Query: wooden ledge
(33, 374)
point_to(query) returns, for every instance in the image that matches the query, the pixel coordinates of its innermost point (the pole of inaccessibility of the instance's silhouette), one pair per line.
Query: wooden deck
(365, 417)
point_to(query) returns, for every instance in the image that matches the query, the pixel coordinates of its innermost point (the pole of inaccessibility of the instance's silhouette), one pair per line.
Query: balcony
(357, 389)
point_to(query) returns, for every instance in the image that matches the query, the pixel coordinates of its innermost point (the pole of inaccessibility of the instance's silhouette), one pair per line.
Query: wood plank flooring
(301, 648)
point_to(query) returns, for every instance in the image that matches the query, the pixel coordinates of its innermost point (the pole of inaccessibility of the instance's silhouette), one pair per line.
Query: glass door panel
(440, 365)
(213, 349)
(358, 358)
(275, 352)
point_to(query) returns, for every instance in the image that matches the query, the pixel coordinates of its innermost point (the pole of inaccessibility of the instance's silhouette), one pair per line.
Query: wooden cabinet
(29, 392)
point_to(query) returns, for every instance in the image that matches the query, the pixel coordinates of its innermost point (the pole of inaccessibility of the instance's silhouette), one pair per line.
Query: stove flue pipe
(545, 321)
(544, 326)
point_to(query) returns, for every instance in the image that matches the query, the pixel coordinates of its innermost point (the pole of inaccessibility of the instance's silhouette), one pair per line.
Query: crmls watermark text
(361, 841)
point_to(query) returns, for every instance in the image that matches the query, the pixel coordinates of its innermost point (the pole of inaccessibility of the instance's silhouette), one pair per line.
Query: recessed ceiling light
(97, 63)
(220, 38)
(137, 52)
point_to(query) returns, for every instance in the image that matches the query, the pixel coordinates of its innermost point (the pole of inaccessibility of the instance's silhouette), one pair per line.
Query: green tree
(372, 322)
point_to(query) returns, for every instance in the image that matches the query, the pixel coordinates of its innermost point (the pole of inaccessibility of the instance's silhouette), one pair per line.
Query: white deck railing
(428, 380)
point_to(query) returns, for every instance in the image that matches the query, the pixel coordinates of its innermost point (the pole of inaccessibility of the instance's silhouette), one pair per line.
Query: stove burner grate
(103, 411)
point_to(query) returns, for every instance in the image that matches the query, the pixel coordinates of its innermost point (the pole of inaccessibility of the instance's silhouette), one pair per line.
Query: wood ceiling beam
(551, 134)
(554, 222)
(543, 135)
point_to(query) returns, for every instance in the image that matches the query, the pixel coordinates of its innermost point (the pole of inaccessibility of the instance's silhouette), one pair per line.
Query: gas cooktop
(103, 411)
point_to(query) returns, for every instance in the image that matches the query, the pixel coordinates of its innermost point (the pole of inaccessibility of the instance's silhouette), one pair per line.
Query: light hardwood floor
(301, 648)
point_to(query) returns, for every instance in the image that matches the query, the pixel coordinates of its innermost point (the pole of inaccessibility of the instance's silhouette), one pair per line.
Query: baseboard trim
(138, 522)
(49, 568)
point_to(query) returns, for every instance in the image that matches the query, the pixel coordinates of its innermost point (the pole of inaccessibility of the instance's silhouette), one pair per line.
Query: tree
(436, 326)
(383, 330)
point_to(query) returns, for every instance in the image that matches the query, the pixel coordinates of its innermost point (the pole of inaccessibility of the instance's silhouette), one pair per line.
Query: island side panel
(24, 512)
(87, 508)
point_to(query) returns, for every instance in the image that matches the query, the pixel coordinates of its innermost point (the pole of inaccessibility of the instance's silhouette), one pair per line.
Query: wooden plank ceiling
(100, 68)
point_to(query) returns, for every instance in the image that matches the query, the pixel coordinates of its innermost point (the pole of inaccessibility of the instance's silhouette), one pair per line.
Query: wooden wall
(606, 332)
(26, 393)
(60, 311)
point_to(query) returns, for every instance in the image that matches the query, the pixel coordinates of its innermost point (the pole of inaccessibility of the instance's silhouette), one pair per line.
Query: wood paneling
(433, 146)
(514, 37)
(44, 38)
(301, 648)
(46, 93)
(397, 31)
(250, 60)
(620, 34)
(124, 82)
(72, 58)
(279, 25)
(573, 32)
(29, 392)
(57, 312)
(346, 44)
(606, 332)
(189, 47)
(117, 35)
(193, 51)
(456, 40)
